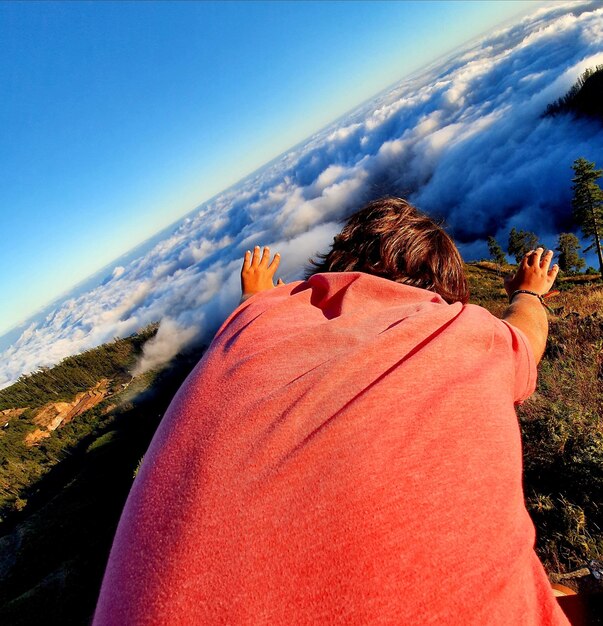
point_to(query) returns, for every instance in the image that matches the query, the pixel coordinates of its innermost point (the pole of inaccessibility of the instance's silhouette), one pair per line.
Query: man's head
(392, 239)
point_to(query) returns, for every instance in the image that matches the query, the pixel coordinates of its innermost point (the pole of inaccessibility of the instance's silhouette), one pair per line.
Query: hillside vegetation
(584, 98)
(43, 415)
(61, 495)
(75, 373)
(562, 422)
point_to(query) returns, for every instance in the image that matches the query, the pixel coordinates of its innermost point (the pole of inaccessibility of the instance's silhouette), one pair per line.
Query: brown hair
(390, 238)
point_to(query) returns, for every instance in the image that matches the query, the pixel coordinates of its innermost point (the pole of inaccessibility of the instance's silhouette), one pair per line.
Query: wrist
(528, 293)
(523, 291)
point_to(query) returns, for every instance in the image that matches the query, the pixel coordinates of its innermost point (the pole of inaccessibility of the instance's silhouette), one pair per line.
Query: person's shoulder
(475, 309)
(480, 314)
(503, 332)
(477, 314)
(478, 321)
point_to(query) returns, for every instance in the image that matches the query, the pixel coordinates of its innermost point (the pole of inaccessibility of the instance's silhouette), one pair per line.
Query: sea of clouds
(464, 140)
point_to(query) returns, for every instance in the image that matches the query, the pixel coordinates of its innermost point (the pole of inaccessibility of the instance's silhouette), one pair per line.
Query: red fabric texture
(346, 451)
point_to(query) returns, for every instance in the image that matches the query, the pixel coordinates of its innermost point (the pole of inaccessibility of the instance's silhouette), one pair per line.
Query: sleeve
(524, 363)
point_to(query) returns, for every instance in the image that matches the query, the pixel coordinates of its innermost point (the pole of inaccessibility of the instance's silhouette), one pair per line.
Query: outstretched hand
(257, 274)
(526, 312)
(533, 273)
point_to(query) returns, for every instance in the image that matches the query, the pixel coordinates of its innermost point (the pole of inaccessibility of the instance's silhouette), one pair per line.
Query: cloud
(118, 271)
(465, 140)
(161, 348)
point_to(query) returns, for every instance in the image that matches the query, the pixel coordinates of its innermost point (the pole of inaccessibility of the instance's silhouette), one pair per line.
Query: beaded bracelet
(531, 293)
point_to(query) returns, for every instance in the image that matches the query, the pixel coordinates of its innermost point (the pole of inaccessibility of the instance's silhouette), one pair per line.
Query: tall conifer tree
(587, 204)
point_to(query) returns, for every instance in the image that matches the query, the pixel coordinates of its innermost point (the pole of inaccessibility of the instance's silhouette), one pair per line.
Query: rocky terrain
(55, 414)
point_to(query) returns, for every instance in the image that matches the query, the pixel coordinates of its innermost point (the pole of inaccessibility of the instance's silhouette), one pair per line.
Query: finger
(537, 255)
(551, 276)
(256, 257)
(247, 260)
(526, 259)
(546, 260)
(265, 257)
(553, 271)
(277, 259)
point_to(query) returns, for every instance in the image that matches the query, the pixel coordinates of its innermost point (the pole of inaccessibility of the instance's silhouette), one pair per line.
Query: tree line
(587, 213)
(76, 373)
(567, 102)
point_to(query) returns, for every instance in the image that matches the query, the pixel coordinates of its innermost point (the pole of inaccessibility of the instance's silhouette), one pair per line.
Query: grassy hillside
(562, 423)
(60, 498)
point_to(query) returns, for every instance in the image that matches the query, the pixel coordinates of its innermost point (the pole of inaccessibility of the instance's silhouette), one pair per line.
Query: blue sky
(118, 118)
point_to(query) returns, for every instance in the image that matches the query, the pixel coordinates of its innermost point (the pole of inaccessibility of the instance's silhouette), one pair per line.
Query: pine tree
(569, 259)
(520, 242)
(587, 204)
(497, 254)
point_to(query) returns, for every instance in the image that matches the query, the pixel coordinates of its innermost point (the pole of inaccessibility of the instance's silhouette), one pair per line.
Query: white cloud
(118, 271)
(464, 140)
(161, 348)
(341, 134)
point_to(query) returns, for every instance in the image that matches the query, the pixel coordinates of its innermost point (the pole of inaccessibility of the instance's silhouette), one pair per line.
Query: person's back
(346, 451)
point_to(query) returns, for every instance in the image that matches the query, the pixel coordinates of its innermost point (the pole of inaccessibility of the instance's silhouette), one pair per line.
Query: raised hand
(526, 312)
(257, 274)
(533, 273)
